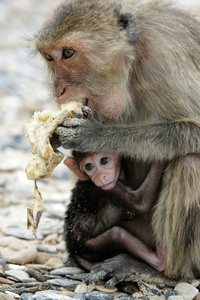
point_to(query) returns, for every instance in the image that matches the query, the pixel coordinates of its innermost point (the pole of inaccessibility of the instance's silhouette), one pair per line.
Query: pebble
(98, 296)
(176, 297)
(66, 271)
(27, 296)
(186, 290)
(47, 249)
(50, 296)
(5, 297)
(17, 251)
(54, 263)
(21, 233)
(70, 284)
(35, 274)
(19, 275)
(79, 296)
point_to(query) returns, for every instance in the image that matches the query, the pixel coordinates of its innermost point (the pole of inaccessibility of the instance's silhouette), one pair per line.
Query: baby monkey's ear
(71, 163)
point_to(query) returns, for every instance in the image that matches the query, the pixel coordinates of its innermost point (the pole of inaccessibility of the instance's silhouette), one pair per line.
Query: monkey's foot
(125, 268)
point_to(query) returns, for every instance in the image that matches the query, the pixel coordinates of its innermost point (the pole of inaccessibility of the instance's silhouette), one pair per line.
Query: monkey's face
(102, 168)
(88, 46)
(77, 74)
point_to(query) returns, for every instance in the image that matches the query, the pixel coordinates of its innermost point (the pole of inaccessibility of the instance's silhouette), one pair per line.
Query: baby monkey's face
(102, 168)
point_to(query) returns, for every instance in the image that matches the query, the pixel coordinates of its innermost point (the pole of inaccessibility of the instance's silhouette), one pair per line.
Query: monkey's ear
(72, 165)
(126, 21)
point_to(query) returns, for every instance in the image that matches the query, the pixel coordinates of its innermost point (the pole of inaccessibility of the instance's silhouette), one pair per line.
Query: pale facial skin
(102, 168)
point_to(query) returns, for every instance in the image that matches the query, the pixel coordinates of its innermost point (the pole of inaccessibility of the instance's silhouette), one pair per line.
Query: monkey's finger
(86, 111)
(97, 277)
(72, 122)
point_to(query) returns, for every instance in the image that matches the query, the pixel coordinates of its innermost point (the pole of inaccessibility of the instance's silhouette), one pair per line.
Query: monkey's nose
(103, 179)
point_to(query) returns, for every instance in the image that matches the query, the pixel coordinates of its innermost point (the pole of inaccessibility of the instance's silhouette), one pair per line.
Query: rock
(2, 262)
(197, 297)
(171, 293)
(47, 249)
(103, 289)
(21, 233)
(6, 281)
(176, 297)
(17, 251)
(186, 290)
(50, 296)
(98, 296)
(55, 263)
(51, 239)
(79, 296)
(35, 274)
(70, 284)
(126, 297)
(5, 297)
(83, 288)
(149, 289)
(20, 275)
(27, 296)
(67, 271)
(42, 257)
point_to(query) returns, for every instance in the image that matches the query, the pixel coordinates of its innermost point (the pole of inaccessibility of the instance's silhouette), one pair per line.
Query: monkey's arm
(143, 198)
(158, 141)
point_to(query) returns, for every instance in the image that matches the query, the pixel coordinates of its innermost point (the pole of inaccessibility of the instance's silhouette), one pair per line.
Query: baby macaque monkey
(104, 212)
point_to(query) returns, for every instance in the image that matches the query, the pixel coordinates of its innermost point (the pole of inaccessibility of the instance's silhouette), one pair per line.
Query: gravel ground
(28, 264)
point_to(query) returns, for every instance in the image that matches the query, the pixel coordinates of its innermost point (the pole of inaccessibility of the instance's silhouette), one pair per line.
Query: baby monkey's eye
(49, 57)
(105, 160)
(89, 166)
(67, 53)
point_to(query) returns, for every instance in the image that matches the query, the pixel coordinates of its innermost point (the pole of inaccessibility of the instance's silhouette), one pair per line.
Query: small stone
(197, 297)
(50, 296)
(21, 233)
(171, 293)
(54, 263)
(27, 296)
(3, 262)
(35, 274)
(126, 297)
(102, 288)
(70, 284)
(47, 249)
(186, 290)
(83, 288)
(6, 281)
(176, 297)
(2, 272)
(98, 296)
(20, 275)
(195, 283)
(51, 239)
(5, 297)
(17, 251)
(66, 271)
(79, 296)
(42, 257)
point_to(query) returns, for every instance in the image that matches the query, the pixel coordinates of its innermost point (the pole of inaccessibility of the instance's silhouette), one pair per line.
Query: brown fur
(158, 75)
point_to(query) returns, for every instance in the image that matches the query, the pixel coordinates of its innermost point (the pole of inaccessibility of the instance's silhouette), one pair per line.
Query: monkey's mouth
(108, 186)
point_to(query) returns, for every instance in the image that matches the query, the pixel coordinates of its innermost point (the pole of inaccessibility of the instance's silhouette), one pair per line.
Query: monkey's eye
(49, 57)
(89, 166)
(105, 160)
(67, 53)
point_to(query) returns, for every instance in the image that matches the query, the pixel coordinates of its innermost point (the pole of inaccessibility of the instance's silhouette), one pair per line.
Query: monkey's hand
(123, 267)
(77, 134)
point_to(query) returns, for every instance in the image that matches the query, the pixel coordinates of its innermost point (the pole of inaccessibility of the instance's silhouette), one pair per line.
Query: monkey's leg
(143, 198)
(126, 241)
(177, 217)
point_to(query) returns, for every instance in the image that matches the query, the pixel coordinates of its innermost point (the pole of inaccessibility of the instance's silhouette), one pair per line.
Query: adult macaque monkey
(100, 224)
(137, 66)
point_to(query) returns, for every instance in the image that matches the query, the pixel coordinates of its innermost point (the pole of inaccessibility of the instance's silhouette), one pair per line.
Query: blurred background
(23, 90)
